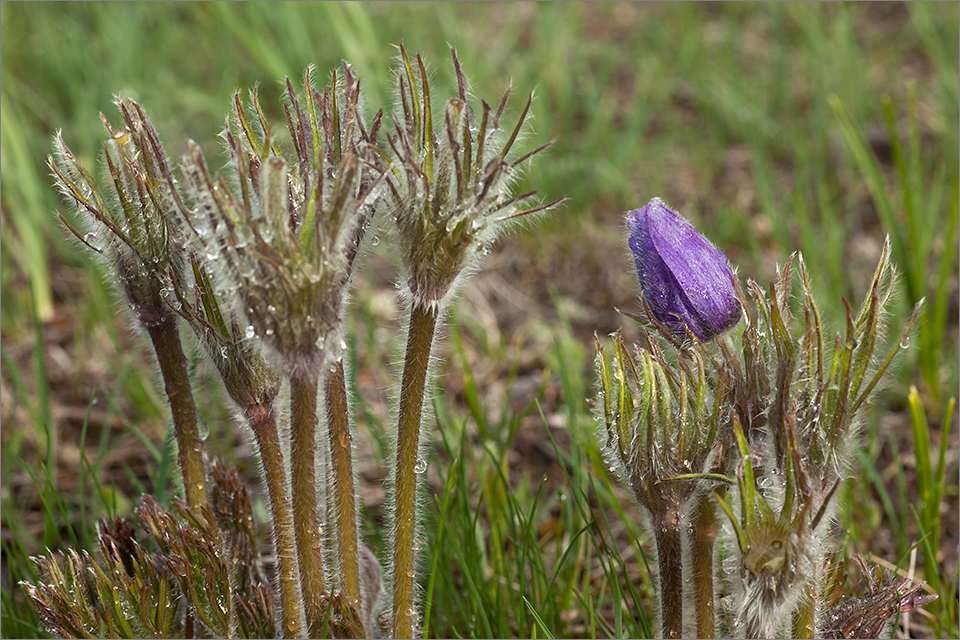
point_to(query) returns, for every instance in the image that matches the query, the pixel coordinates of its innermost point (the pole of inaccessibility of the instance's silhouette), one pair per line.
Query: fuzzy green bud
(283, 245)
(449, 189)
(130, 226)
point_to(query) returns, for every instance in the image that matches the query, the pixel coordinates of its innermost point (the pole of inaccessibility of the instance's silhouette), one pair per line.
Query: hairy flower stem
(703, 536)
(668, 535)
(423, 323)
(173, 368)
(341, 454)
(264, 425)
(303, 449)
(805, 615)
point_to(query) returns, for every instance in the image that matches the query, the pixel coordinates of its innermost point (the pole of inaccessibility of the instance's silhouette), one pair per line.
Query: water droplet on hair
(271, 308)
(89, 238)
(375, 241)
(251, 332)
(905, 343)
(421, 466)
(269, 332)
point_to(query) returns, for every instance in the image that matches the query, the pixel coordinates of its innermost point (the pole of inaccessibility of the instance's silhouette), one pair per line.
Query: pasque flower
(128, 227)
(686, 281)
(282, 244)
(450, 187)
(447, 190)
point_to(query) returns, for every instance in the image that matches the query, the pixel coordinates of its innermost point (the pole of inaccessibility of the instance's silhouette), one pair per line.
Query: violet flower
(686, 281)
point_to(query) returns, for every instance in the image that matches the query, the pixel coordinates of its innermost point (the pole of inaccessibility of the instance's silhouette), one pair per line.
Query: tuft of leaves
(196, 574)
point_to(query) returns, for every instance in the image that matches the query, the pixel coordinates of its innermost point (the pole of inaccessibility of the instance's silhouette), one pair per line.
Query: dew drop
(905, 343)
(89, 239)
(421, 466)
(251, 332)
(269, 332)
(271, 308)
(411, 574)
(375, 241)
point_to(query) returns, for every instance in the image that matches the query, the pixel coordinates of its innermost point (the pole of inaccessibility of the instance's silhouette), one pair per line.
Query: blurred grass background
(773, 127)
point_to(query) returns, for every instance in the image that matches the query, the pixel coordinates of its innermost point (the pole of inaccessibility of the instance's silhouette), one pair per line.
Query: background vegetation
(774, 127)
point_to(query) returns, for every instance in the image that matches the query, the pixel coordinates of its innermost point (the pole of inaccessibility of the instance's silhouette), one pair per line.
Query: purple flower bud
(684, 278)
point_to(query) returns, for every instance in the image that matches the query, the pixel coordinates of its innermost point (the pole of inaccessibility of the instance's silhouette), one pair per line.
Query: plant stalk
(668, 536)
(341, 454)
(309, 532)
(262, 421)
(805, 615)
(703, 536)
(423, 323)
(173, 367)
